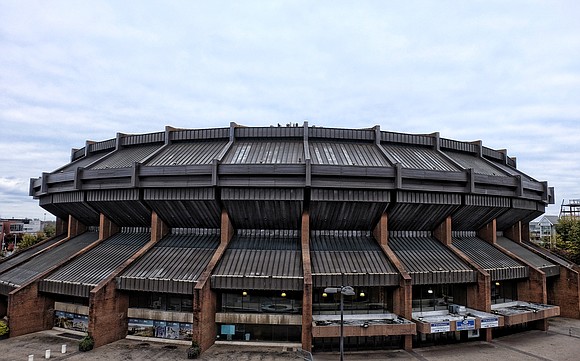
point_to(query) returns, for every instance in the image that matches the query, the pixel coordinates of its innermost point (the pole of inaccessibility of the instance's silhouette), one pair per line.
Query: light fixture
(362, 293)
(283, 294)
(244, 293)
(497, 283)
(324, 294)
(429, 291)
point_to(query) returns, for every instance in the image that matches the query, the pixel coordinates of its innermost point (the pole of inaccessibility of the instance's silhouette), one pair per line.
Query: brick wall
(108, 314)
(29, 311)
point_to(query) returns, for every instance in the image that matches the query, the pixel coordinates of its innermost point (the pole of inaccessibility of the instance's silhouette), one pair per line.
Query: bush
(3, 328)
(86, 344)
(194, 351)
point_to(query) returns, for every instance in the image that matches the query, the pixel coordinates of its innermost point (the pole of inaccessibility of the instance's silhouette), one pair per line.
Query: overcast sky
(506, 73)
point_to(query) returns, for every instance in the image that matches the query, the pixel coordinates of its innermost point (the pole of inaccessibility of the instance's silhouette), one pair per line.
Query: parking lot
(560, 343)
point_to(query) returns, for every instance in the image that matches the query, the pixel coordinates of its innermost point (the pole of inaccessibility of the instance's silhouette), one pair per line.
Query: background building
(236, 234)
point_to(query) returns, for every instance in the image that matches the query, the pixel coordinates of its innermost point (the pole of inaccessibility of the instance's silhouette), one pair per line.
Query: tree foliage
(28, 240)
(49, 230)
(568, 239)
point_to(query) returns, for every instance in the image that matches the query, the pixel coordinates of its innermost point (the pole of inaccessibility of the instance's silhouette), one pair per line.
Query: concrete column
(381, 231)
(443, 232)
(488, 232)
(106, 227)
(204, 299)
(75, 227)
(402, 296)
(61, 226)
(514, 232)
(307, 290)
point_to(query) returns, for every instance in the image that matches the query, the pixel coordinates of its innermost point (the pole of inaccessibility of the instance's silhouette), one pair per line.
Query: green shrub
(194, 351)
(3, 328)
(86, 344)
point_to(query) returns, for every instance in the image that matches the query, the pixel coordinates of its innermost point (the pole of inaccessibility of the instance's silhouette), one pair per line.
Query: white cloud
(506, 73)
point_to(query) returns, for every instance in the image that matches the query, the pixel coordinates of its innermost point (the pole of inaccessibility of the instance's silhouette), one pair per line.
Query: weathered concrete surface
(560, 343)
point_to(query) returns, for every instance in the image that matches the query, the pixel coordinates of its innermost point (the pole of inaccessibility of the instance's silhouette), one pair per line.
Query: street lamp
(344, 291)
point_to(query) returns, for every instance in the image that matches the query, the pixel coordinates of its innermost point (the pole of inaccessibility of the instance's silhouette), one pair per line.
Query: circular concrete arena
(237, 234)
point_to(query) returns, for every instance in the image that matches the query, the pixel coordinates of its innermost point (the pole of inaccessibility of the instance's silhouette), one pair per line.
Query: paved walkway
(560, 343)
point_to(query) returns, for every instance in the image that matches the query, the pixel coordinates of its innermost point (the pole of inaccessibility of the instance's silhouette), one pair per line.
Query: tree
(49, 230)
(568, 238)
(28, 240)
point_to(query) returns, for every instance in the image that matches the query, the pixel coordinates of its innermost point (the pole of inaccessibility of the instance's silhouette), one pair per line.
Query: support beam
(443, 232)
(75, 227)
(61, 226)
(489, 232)
(402, 296)
(381, 231)
(106, 227)
(514, 232)
(204, 299)
(108, 307)
(307, 290)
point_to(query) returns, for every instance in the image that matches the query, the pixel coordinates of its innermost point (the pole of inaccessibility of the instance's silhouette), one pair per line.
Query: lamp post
(344, 291)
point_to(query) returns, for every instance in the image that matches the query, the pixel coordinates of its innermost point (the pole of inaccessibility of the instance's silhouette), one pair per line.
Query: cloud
(506, 73)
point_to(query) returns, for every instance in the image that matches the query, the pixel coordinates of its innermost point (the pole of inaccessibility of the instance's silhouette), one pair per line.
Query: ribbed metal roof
(125, 157)
(27, 271)
(552, 257)
(83, 162)
(266, 152)
(173, 265)
(419, 157)
(345, 153)
(186, 153)
(499, 265)
(427, 260)
(261, 260)
(83, 273)
(28, 253)
(548, 267)
(353, 258)
(474, 162)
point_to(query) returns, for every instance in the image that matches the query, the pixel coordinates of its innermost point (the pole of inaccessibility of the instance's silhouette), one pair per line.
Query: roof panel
(176, 260)
(419, 157)
(427, 260)
(347, 153)
(125, 157)
(42, 262)
(537, 261)
(28, 253)
(261, 259)
(498, 264)
(188, 153)
(471, 161)
(97, 264)
(266, 152)
(352, 257)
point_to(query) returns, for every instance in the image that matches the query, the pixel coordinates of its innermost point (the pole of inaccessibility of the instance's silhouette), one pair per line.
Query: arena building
(241, 233)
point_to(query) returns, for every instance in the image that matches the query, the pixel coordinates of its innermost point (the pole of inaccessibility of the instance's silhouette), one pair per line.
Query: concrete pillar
(204, 299)
(525, 232)
(488, 232)
(61, 226)
(443, 232)
(514, 232)
(381, 230)
(307, 290)
(75, 227)
(106, 227)
(402, 296)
